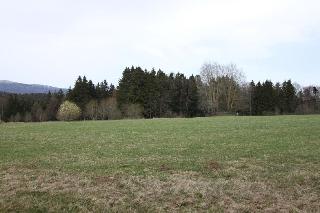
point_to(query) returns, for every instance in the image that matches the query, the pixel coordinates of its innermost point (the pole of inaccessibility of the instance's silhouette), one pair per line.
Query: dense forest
(218, 89)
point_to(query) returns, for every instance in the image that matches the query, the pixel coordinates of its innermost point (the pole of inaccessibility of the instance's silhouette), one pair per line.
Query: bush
(68, 111)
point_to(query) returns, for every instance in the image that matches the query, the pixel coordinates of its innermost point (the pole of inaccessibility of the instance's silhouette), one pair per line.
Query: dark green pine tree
(150, 94)
(132, 88)
(268, 97)
(103, 90)
(252, 107)
(288, 97)
(124, 89)
(163, 94)
(92, 90)
(192, 97)
(82, 92)
(277, 98)
(258, 99)
(178, 92)
(60, 95)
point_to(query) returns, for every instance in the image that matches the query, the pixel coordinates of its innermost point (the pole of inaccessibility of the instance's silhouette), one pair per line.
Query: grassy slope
(234, 163)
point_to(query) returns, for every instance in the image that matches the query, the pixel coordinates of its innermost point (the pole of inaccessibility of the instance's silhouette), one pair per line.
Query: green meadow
(223, 163)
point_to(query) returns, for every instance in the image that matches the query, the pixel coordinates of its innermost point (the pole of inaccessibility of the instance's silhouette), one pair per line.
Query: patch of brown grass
(179, 191)
(213, 165)
(164, 167)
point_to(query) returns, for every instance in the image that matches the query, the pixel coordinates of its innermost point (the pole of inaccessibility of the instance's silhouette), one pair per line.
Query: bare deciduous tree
(108, 109)
(91, 110)
(210, 73)
(221, 84)
(233, 79)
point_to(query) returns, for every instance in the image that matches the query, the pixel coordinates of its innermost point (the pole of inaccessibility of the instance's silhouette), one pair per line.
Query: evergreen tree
(252, 98)
(268, 97)
(192, 98)
(288, 97)
(82, 92)
(162, 96)
(179, 94)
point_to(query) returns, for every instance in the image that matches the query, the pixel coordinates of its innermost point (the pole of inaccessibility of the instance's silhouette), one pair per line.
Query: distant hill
(20, 88)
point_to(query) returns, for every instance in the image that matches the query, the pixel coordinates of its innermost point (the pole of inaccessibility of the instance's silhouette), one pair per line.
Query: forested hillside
(19, 88)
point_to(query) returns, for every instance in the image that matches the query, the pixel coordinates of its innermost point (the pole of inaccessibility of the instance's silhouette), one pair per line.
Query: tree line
(217, 89)
(30, 107)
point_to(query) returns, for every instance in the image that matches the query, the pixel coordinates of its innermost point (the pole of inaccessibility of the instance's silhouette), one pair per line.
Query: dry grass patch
(213, 165)
(27, 189)
(165, 168)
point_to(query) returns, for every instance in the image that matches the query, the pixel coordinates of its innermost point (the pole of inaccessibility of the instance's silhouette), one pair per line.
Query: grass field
(216, 164)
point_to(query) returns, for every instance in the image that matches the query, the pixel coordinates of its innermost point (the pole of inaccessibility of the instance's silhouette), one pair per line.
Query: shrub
(68, 111)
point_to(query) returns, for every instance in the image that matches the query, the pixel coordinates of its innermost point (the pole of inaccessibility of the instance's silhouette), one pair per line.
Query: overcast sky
(52, 42)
